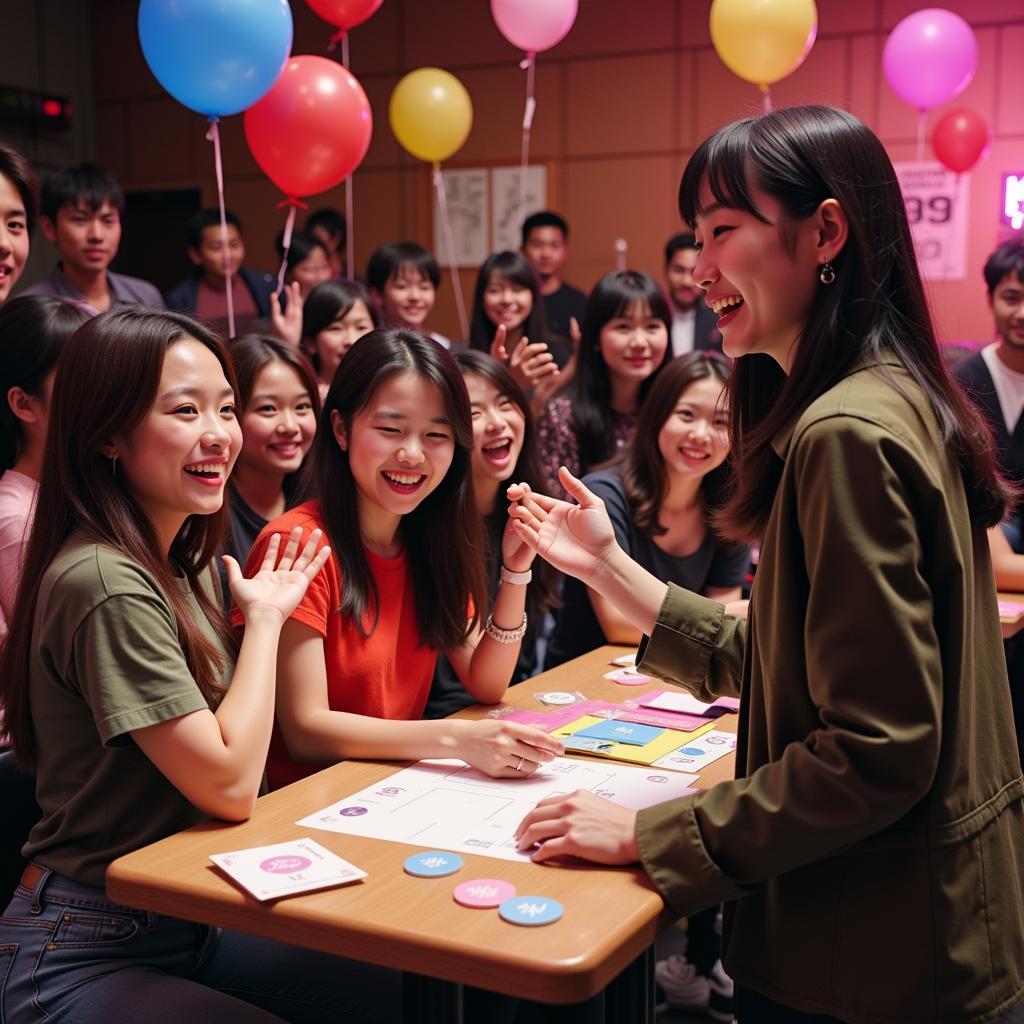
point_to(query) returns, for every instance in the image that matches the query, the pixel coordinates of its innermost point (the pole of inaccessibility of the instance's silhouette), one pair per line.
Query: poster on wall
(938, 205)
(506, 217)
(466, 192)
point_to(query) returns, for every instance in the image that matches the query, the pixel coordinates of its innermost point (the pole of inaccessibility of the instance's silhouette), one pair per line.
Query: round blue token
(433, 864)
(531, 910)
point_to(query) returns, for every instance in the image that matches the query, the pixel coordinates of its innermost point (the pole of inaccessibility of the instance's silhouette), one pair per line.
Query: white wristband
(518, 578)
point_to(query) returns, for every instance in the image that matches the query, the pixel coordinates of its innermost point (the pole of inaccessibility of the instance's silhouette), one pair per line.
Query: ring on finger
(519, 767)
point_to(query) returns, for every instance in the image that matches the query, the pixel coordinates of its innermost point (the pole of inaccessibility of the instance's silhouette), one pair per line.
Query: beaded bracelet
(505, 636)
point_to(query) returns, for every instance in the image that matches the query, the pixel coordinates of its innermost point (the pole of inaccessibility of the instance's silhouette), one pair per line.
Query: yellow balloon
(763, 40)
(431, 114)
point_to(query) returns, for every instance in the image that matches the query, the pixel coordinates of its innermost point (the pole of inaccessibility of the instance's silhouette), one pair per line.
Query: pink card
(666, 719)
(686, 704)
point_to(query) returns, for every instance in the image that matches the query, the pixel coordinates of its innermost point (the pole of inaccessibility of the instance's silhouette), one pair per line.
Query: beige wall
(621, 102)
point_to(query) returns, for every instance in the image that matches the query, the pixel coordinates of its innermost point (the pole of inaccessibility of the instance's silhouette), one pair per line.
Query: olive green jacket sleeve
(696, 645)
(860, 652)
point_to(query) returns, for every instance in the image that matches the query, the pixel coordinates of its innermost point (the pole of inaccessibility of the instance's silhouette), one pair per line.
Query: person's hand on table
(506, 750)
(577, 539)
(580, 825)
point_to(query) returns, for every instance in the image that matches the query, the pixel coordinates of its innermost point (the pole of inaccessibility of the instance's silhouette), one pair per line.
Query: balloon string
(340, 36)
(621, 247)
(449, 243)
(286, 244)
(213, 135)
(766, 99)
(529, 65)
(350, 238)
(922, 117)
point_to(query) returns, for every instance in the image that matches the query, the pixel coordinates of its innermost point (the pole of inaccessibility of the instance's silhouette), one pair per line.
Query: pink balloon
(534, 25)
(930, 57)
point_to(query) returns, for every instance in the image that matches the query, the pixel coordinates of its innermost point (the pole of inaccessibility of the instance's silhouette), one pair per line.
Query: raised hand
(581, 824)
(288, 325)
(279, 585)
(577, 539)
(507, 750)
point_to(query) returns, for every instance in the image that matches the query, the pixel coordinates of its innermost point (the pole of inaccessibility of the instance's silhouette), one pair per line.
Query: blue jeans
(68, 954)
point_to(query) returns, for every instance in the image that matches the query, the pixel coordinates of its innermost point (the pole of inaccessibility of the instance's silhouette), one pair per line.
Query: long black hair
(514, 267)
(541, 591)
(591, 388)
(33, 332)
(802, 156)
(644, 478)
(443, 535)
(106, 384)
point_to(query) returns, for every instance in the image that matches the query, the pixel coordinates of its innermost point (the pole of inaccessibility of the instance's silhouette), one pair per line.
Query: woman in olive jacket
(873, 840)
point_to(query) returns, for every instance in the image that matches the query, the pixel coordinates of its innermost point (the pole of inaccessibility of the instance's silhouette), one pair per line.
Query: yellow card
(669, 740)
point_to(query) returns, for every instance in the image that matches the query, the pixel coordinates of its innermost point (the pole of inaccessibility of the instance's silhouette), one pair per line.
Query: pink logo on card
(285, 865)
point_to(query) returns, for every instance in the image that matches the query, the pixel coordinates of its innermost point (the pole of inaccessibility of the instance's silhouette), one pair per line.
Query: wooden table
(1012, 620)
(612, 914)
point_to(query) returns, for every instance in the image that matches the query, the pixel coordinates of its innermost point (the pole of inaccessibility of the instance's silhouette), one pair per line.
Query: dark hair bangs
(725, 161)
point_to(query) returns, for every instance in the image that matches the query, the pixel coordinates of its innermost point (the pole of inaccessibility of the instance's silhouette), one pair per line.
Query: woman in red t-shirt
(405, 579)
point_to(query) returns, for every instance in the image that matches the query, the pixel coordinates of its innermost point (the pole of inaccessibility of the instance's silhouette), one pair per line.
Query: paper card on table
(686, 703)
(550, 720)
(669, 740)
(588, 744)
(697, 754)
(447, 805)
(665, 719)
(1010, 608)
(284, 869)
(633, 733)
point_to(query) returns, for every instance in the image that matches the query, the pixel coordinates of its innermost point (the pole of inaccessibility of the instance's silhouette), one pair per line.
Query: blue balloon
(217, 57)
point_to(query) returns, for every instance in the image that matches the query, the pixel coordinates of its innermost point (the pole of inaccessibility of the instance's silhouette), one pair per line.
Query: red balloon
(960, 139)
(312, 130)
(345, 14)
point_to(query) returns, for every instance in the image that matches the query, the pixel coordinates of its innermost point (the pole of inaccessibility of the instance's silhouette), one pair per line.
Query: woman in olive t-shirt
(115, 692)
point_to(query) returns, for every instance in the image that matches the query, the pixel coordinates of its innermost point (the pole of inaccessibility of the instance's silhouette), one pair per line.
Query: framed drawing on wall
(506, 216)
(466, 194)
(483, 208)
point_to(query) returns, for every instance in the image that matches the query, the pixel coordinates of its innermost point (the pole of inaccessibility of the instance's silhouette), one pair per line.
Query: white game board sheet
(448, 805)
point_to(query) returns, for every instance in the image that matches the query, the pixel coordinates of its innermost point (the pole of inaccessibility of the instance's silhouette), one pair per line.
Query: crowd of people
(226, 564)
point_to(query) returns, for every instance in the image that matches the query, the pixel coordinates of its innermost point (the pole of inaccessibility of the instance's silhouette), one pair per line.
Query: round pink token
(483, 893)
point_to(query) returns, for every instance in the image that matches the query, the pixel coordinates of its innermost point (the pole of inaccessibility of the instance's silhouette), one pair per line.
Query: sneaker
(685, 989)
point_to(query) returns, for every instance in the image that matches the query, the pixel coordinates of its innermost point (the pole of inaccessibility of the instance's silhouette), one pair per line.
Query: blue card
(621, 732)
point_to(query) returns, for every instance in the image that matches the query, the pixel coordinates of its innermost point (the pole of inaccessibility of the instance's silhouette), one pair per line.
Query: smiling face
(313, 270)
(760, 288)
(88, 240)
(633, 344)
(339, 336)
(507, 302)
(1007, 301)
(408, 297)
(176, 461)
(694, 440)
(499, 427)
(682, 289)
(400, 447)
(279, 424)
(14, 236)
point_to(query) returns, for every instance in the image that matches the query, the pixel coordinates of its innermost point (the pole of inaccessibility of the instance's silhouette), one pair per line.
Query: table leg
(629, 999)
(431, 1001)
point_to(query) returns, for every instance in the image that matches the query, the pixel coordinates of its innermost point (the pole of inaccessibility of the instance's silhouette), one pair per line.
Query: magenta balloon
(534, 25)
(930, 57)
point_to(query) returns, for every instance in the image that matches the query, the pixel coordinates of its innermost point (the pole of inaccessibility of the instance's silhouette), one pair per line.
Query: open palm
(576, 539)
(279, 584)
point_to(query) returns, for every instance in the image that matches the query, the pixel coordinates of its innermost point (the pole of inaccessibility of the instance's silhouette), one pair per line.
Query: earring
(113, 465)
(827, 274)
